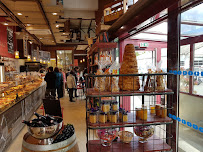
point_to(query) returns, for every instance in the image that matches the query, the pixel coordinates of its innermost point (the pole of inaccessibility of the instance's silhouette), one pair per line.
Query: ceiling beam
(137, 14)
(17, 20)
(45, 18)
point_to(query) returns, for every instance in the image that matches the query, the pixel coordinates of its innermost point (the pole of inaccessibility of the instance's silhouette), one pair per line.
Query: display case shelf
(152, 119)
(92, 93)
(154, 144)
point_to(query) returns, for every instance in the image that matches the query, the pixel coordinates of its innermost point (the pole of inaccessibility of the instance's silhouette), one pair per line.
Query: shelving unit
(155, 143)
(95, 50)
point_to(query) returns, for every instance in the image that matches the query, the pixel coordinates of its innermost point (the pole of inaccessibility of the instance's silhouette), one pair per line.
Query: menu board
(10, 40)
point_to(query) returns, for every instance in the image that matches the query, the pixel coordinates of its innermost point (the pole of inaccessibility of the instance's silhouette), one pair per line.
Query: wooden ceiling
(38, 18)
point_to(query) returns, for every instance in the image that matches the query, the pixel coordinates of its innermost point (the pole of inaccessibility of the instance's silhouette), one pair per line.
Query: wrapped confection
(99, 82)
(160, 81)
(129, 66)
(149, 85)
(114, 84)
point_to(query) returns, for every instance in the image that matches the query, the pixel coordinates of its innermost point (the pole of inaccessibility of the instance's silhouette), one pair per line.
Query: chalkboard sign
(10, 40)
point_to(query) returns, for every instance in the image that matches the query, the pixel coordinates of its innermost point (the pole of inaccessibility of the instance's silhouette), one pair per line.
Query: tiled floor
(73, 113)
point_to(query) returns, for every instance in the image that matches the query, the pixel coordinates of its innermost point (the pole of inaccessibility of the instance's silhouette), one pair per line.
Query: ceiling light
(64, 33)
(5, 23)
(57, 25)
(54, 13)
(40, 38)
(122, 27)
(30, 42)
(19, 14)
(28, 24)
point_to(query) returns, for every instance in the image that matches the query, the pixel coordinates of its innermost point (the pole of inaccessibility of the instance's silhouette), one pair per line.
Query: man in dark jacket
(50, 78)
(76, 69)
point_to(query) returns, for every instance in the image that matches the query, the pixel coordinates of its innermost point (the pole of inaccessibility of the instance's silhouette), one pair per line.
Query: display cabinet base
(154, 144)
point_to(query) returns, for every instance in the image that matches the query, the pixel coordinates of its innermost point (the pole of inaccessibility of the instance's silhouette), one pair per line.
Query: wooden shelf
(92, 93)
(103, 45)
(152, 119)
(154, 144)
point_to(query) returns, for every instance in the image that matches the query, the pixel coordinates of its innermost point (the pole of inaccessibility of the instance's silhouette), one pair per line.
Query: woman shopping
(71, 85)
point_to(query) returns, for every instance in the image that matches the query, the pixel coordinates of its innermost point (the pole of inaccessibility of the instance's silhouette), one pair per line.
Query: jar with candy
(113, 117)
(125, 116)
(93, 117)
(114, 106)
(105, 107)
(102, 117)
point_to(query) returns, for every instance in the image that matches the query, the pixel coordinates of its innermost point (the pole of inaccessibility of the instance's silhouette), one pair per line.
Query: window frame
(191, 41)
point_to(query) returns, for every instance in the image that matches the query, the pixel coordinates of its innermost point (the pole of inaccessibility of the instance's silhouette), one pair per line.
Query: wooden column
(173, 61)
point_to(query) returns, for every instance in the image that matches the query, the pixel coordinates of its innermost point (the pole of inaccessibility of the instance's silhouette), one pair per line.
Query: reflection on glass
(184, 66)
(198, 66)
(64, 59)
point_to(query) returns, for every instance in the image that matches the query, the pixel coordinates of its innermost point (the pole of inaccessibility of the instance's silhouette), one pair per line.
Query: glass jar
(163, 112)
(108, 117)
(158, 110)
(114, 106)
(105, 107)
(93, 117)
(152, 109)
(102, 117)
(120, 113)
(125, 117)
(143, 114)
(138, 114)
(113, 117)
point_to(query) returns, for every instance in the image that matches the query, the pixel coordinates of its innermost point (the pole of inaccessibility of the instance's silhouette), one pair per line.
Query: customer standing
(71, 85)
(64, 80)
(59, 82)
(76, 69)
(50, 78)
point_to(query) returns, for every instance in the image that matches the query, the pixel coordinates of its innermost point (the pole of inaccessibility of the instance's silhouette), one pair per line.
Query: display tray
(154, 144)
(92, 93)
(152, 119)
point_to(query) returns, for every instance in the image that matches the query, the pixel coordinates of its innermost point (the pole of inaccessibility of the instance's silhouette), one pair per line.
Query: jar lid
(102, 113)
(93, 113)
(105, 102)
(115, 102)
(113, 112)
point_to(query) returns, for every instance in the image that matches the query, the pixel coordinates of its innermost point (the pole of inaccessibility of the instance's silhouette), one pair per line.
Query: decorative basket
(125, 136)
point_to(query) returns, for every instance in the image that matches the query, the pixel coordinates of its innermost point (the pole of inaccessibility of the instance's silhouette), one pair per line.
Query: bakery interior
(143, 88)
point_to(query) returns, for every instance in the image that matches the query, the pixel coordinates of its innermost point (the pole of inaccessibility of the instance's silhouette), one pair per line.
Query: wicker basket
(125, 136)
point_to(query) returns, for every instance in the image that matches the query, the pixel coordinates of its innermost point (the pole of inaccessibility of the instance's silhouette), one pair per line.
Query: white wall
(191, 109)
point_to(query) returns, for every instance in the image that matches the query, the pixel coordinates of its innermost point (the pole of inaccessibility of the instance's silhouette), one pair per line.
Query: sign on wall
(10, 40)
(144, 45)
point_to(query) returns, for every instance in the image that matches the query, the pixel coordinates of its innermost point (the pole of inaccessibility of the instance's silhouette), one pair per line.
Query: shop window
(198, 66)
(184, 66)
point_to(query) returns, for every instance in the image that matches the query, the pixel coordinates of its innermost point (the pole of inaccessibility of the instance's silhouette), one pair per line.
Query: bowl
(144, 132)
(107, 136)
(125, 136)
(46, 132)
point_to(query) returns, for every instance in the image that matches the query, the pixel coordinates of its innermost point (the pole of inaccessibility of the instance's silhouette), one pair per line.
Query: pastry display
(129, 66)
(10, 93)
